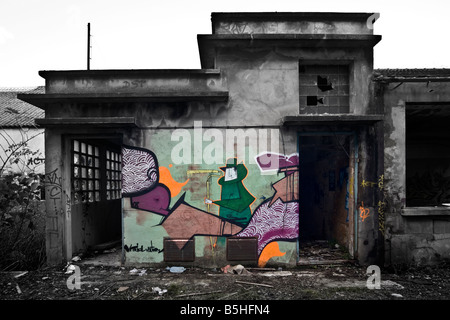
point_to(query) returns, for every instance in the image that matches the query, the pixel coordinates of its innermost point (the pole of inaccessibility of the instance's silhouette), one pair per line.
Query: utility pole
(89, 46)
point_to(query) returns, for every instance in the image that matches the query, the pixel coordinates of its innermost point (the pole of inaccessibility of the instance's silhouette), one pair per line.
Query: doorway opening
(326, 187)
(95, 219)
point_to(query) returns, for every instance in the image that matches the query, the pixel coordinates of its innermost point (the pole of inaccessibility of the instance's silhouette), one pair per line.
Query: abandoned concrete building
(285, 135)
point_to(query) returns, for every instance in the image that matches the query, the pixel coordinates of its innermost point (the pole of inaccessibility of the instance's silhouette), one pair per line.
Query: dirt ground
(330, 282)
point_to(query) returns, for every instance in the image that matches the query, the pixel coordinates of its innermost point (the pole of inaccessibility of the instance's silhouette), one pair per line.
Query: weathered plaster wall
(422, 239)
(55, 199)
(287, 23)
(263, 83)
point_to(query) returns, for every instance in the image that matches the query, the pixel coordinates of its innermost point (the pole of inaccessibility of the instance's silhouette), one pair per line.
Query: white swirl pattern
(139, 170)
(279, 221)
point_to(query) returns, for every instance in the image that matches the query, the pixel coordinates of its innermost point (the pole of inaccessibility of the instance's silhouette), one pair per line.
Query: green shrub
(22, 222)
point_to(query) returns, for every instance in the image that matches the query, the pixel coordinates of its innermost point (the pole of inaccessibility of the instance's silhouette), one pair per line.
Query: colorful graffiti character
(235, 199)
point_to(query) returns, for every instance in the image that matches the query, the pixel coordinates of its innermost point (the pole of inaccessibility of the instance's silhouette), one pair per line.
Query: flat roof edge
(291, 15)
(121, 72)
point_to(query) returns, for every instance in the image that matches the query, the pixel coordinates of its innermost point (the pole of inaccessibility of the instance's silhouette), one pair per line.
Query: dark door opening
(325, 187)
(95, 204)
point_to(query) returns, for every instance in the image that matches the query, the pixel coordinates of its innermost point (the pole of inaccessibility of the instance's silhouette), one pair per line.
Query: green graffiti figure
(235, 199)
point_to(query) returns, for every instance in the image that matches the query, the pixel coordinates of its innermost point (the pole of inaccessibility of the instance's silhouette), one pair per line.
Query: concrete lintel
(351, 119)
(88, 121)
(289, 39)
(425, 211)
(41, 100)
(412, 79)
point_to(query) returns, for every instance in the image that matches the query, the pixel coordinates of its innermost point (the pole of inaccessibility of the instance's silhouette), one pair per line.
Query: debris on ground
(237, 269)
(277, 274)
(255, 284)
(343, 282)
(138, 272)
(70, 269)
(20, 274)
(158, 290)
(321, 252)
(176, 269)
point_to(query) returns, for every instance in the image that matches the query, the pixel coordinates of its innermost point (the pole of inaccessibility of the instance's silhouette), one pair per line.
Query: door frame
(353, 166)
(67, 182)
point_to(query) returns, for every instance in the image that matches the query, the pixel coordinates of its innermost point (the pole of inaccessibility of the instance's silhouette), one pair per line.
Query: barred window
(96, 173)
(113, 175)
(86, 172)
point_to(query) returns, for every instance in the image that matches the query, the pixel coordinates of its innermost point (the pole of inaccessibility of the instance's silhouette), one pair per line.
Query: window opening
(324, 89)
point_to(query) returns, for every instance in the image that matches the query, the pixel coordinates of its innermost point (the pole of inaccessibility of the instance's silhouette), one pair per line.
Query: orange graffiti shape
(165, 177)
(363, 212)
(271, 250)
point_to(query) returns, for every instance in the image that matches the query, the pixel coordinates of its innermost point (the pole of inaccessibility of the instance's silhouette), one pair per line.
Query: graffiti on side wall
(364, 212)
(275, 219)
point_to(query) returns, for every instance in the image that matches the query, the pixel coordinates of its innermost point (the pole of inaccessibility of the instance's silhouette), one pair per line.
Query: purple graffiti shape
(276, 222)
(273, 161)
(157, 200)
(139, 171)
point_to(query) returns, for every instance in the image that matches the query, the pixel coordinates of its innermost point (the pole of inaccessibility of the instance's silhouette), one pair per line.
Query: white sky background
(146, 34)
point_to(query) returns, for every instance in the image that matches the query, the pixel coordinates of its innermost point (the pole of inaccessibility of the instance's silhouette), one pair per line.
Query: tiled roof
(18, 113)
(411, 73)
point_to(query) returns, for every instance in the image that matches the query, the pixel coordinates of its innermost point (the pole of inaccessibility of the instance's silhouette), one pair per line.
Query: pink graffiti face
(157, 200)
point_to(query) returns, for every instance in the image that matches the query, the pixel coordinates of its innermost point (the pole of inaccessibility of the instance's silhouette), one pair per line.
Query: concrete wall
(412, 235)
(291, 23)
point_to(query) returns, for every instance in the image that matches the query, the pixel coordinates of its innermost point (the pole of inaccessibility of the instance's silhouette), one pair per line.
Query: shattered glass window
(324, 89)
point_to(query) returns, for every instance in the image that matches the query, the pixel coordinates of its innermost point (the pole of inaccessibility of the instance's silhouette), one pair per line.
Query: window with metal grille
(85, 172)
(323, 88)
(96, 173)
(113, 178)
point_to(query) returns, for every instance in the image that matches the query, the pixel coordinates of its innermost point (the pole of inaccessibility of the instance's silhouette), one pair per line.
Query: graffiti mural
(150, 188)
(235, 199)
(277, 218)
(186, 221)
(165, 178)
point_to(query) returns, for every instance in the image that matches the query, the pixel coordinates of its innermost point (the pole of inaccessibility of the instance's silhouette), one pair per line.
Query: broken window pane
(325, 87)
